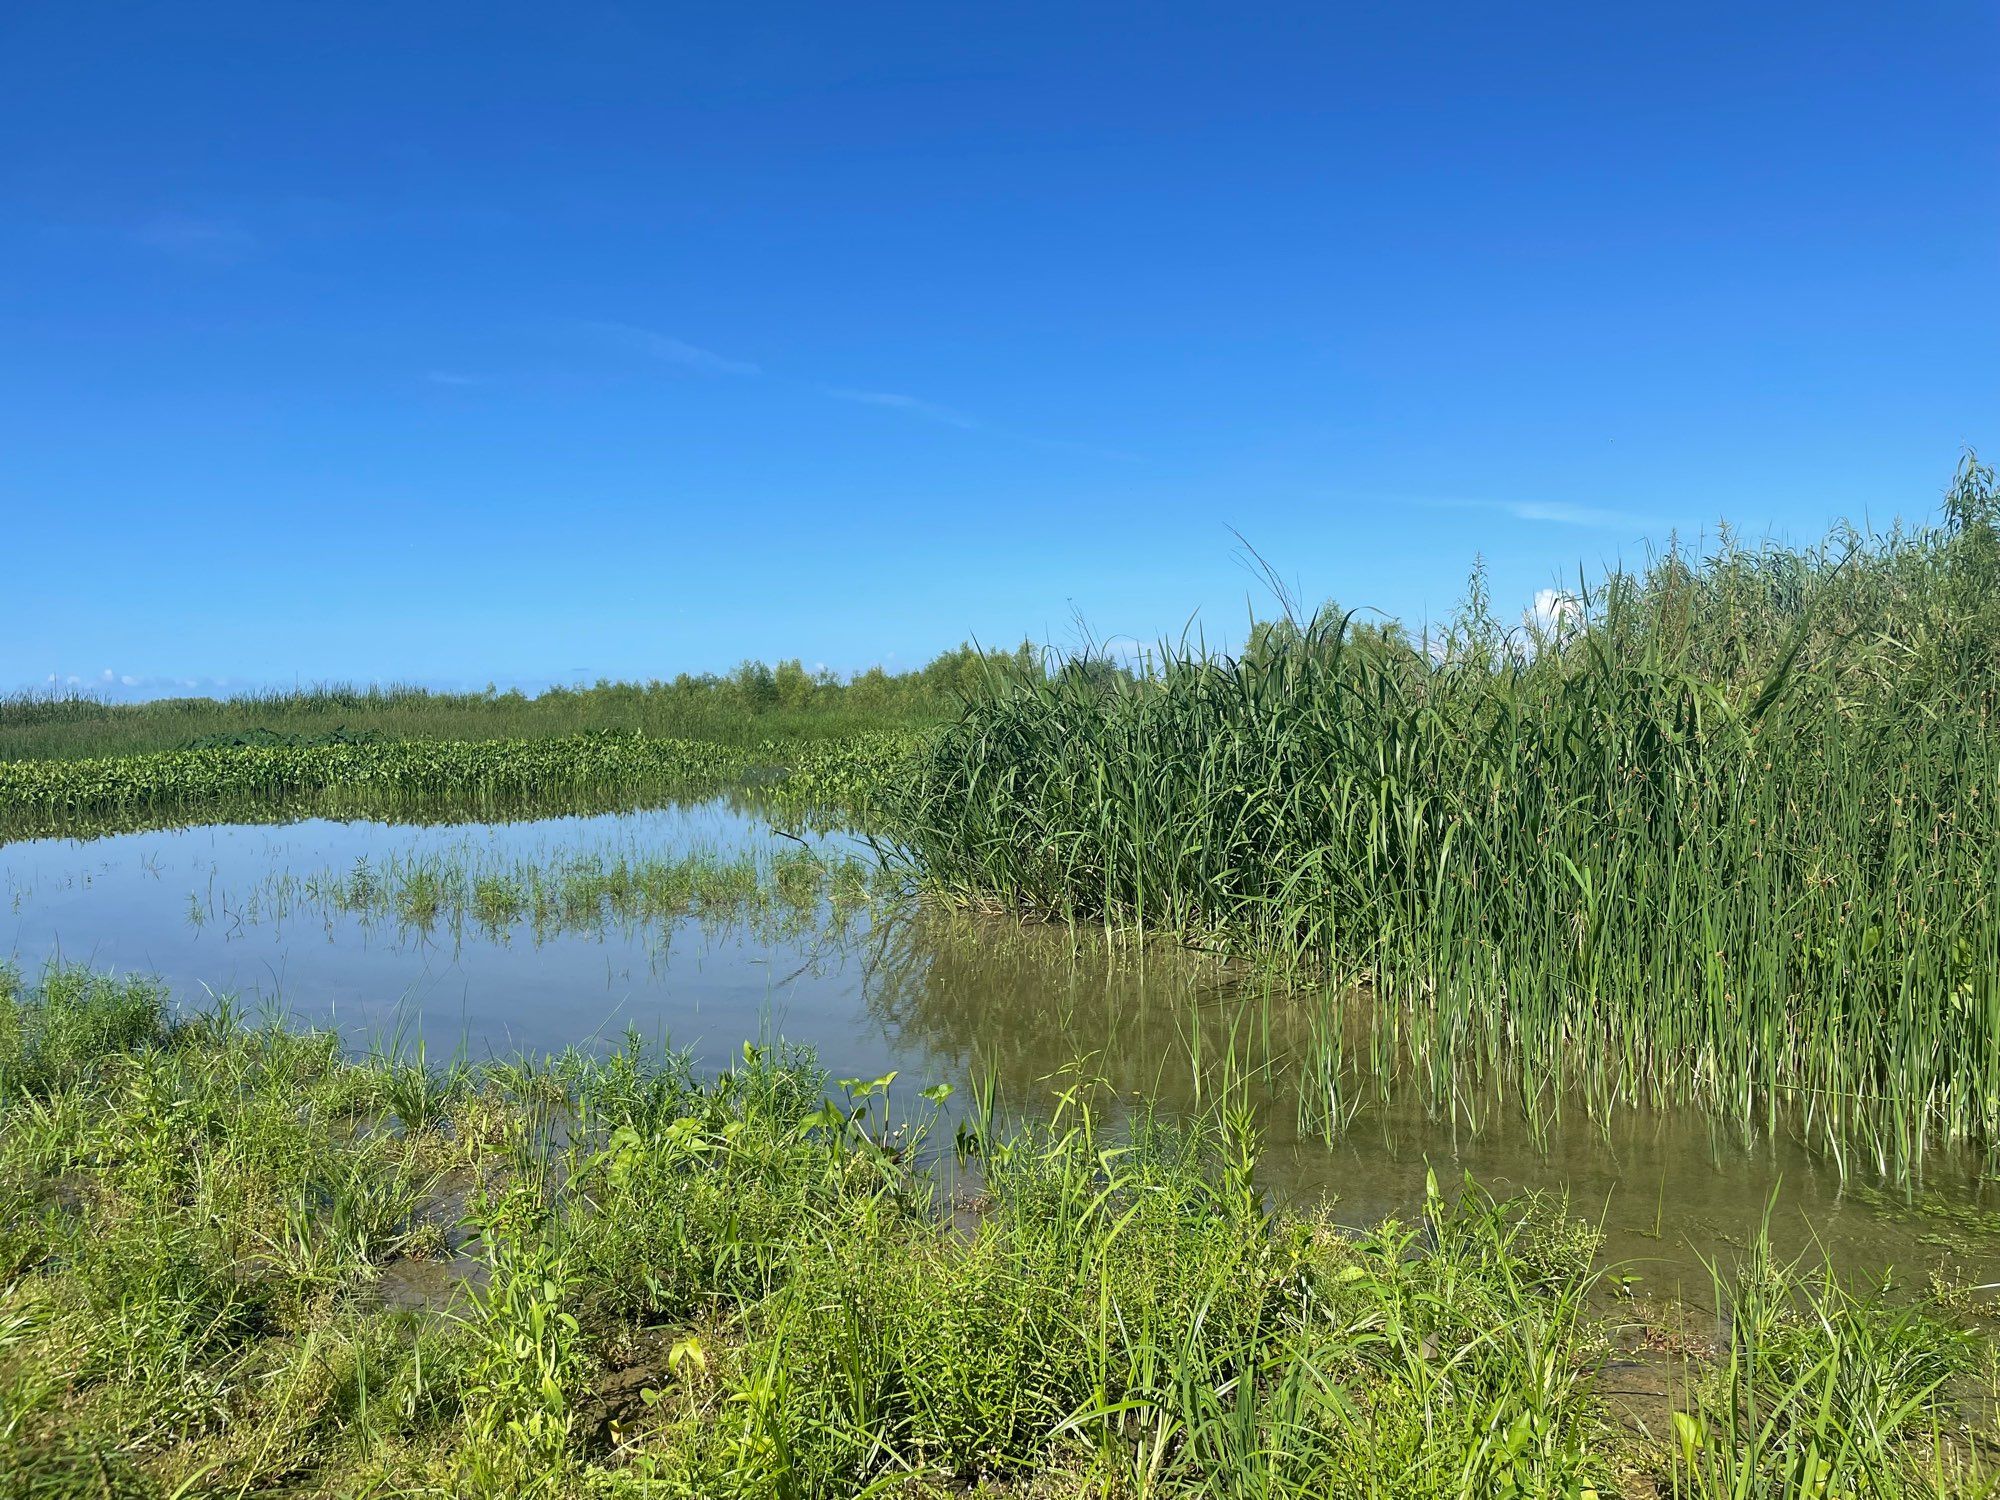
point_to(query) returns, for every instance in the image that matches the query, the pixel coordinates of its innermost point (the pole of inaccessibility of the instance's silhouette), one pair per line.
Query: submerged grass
(580, 890)
(1721, 831)
(652, 1285)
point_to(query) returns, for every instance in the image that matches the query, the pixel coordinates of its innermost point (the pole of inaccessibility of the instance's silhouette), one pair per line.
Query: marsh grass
(753, 1285)
(72, 796)
(1723, 833)
(754, 704)
(34, 727)
(784, 891)
(813, 784)
(1826, 1389)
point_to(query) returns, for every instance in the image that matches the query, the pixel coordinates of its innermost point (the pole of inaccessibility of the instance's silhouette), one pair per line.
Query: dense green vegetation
(431, 780)
(1723, 830)
(751, 706)
(233, 1261)
(62, 796)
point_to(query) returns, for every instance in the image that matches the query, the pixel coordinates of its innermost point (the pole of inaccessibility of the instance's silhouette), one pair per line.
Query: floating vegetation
(1956, 1225)
(233, 1259)
(1722, 832)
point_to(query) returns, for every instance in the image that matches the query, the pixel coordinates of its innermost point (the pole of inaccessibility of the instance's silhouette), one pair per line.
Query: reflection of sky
(937, 998)
(123, 904)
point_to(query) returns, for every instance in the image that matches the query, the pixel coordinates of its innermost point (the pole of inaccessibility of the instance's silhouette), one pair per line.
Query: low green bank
(427, 780)
(234, 1261)
(756, 703)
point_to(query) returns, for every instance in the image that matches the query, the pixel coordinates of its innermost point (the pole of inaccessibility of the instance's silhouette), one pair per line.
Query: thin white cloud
(665, 348)
(1543, 512)
(633, 339)
(930, 411)
(203, 241)
(1562, 513)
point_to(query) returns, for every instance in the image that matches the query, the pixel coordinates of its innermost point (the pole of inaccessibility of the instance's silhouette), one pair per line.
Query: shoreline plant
(1720, 830)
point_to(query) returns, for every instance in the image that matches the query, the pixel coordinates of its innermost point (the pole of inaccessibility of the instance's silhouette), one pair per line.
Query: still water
(885, 985)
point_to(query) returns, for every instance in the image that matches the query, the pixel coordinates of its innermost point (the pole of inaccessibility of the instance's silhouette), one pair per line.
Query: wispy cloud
(930, 411)
(1544, 512)
(1561, 513)
(203, 241)
(665, 348)
(633, 339)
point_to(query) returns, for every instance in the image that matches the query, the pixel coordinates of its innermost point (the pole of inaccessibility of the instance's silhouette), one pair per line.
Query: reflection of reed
(1034, 1006)
(1029, 1004)
(749, 794)
(1345, 1101)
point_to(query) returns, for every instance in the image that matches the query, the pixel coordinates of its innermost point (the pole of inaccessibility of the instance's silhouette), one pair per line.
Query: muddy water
(218, 910)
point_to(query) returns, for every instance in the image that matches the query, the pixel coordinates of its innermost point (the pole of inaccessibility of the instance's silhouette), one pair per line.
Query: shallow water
(227, 910)
(206, 910)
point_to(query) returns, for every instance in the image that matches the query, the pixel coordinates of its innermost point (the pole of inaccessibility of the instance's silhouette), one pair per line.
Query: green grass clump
(235, 1261)
(1724, 831)
(1824, 1390)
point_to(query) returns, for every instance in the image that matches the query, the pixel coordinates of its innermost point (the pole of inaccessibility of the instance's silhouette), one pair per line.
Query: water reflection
(1040, 1008)
(229, 910)
(879, 984)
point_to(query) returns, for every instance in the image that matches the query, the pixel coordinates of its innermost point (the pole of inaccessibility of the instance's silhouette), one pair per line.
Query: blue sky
(452, 343)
